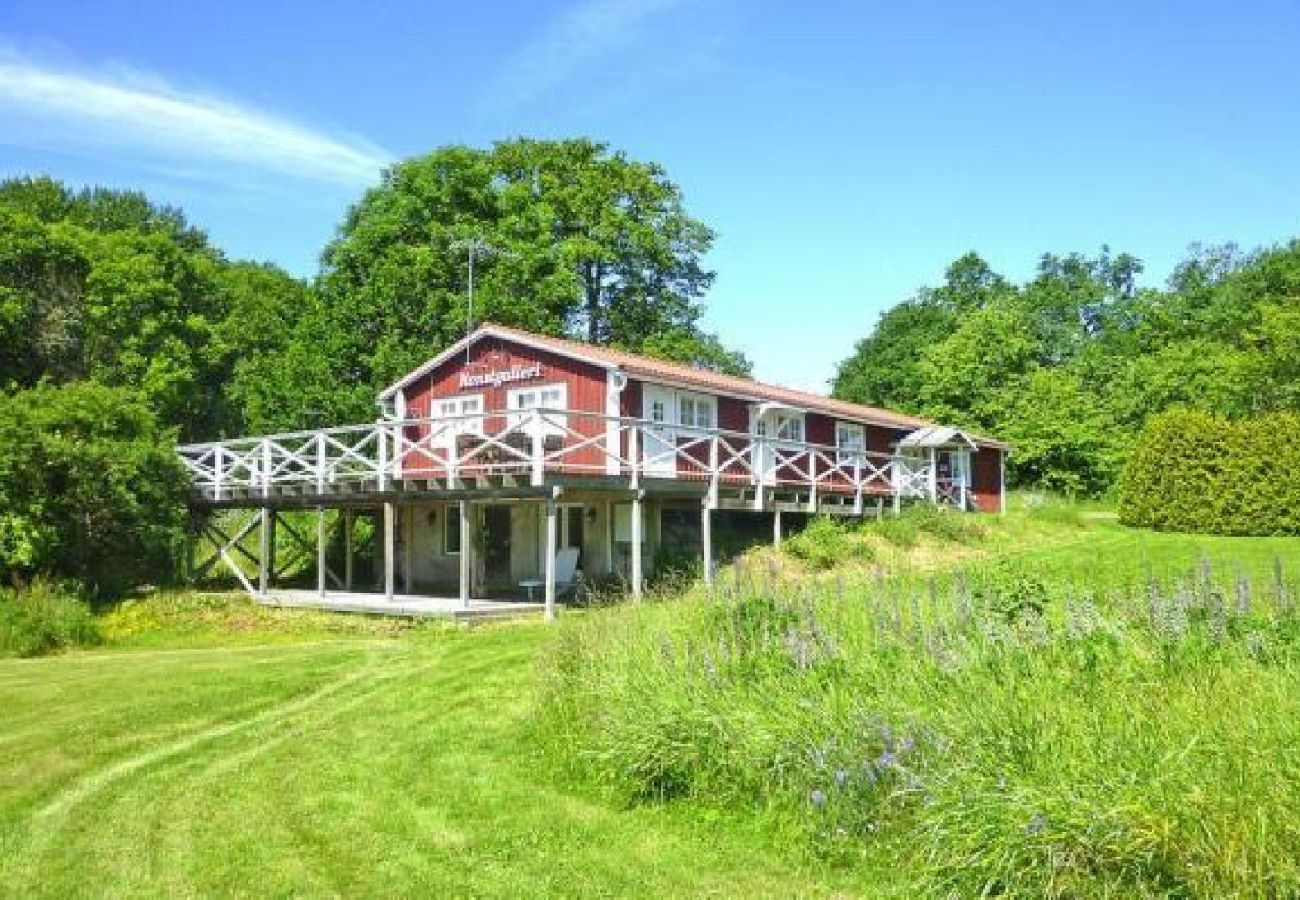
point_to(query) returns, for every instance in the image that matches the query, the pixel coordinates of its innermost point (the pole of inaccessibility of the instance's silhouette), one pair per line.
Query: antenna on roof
(475, 248)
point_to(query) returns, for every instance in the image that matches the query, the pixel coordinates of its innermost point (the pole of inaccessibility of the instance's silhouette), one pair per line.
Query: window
(695, 410)
(784, 426)
(451, 530)
(850, 441)
(547, 397)
(571, 527)
(456, 407)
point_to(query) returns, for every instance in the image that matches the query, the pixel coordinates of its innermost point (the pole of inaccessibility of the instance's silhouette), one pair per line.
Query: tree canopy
(1069, 365)
(574, 240)
(103, 285)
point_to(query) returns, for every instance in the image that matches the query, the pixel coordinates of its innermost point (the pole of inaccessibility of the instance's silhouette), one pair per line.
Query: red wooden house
(510, 448)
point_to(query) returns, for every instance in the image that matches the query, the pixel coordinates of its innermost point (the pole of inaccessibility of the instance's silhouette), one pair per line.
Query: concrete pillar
(320, 550)
(776, 528)
(466, 552)
(552, 529)
(638, 530)
(390, 537)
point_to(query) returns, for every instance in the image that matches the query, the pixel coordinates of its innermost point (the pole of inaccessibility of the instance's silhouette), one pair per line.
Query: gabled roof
(678, 374)
(937, 436)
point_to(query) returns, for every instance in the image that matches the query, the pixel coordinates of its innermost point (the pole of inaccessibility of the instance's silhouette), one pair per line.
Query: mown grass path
(349, 767)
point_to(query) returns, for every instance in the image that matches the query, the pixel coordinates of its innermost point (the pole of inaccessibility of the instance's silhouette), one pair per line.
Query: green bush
(1194, 471)
(90, 488)
(44, 617)
(905, 529)
(1008, 591)
(825, 543)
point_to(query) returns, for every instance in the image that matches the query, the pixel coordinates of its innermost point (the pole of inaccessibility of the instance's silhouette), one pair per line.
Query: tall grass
(43, 617)
(991, 731)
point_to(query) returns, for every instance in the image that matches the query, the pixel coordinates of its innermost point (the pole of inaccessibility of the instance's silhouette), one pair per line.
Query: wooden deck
(406, 605)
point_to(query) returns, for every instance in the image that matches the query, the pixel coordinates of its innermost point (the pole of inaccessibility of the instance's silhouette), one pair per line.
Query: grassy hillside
(1072, 710)
(1036, 704)
(327, 764)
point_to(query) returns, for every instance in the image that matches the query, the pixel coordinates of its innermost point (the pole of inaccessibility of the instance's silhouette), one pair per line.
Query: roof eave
(469, 340)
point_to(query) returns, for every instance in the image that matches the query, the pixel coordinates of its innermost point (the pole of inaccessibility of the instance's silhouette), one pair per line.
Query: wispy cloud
(128, 110)
(589, 31)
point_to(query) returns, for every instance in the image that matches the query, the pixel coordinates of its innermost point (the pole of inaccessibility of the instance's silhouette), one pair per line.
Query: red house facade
(511, 448)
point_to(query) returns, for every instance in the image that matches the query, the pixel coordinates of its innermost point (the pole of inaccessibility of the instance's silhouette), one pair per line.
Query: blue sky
(844, 152)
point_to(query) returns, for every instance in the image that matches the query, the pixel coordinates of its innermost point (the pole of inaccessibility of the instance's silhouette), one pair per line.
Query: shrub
(44, 617)
(90, 488)
(825, 543)
(1193, 471)
(905, 529)
(1008, 591)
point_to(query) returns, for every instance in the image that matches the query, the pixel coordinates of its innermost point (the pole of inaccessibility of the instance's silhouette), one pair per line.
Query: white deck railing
(534, 443)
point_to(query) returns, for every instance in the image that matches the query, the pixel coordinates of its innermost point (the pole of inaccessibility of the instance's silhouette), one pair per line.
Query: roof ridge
(698, 371)
(649, 368)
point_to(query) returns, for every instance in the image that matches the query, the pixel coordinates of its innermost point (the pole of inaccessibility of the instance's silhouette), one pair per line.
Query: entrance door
(496, 544)
(659, 443)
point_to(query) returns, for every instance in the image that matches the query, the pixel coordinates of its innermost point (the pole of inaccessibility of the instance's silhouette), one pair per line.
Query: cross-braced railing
(532, 444)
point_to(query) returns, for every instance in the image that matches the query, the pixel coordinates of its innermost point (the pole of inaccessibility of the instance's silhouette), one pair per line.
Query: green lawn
(355, 766)
(222, 748)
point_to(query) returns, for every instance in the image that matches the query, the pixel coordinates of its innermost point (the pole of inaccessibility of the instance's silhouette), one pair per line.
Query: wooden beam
(638, 527)
(390, 528)
(706, 542)
(552, 516)
(348, 525)
(266, 547)
(466, 551)
(320, 551)
(408, 532)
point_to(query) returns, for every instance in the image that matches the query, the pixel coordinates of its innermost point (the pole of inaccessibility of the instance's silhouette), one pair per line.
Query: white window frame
(461, 405)
(518, 415)
(450, 410)
(782, 418)
(850, 451)
(698, 403)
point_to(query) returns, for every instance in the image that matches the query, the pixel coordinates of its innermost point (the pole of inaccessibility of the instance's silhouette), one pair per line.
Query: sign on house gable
(497, 377)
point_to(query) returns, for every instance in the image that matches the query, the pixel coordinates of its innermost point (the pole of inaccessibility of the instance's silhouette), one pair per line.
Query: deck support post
(934, 476)
(706, 542)
(408, 531)
(638, 526)
(466, 552)
(552, 531)
(347, 549)
(537, 452)
(320, 551)
(390, 536)
(776, 528)
(1002, 481)
(266, 546)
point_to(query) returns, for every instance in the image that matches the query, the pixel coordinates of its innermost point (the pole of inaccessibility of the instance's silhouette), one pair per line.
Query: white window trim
(698, 401)
(455, 425)
(845, 453)
(775, 417)
(553, 424)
